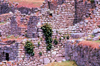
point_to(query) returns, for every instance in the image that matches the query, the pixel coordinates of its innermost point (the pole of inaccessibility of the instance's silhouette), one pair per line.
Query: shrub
(68, 37)
(47, 30)
(41, 39)
(29, 47)
(48, 40)
(92, 1)
(99, 26)
(49, 46)
(60, 39)
(38, 44)
(40, 53)
(32, 53)
(64, 37)
(55, 41)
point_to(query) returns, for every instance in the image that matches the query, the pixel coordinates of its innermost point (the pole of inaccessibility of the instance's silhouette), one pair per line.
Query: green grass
(98, 41)
(2, 22)
(66, 63)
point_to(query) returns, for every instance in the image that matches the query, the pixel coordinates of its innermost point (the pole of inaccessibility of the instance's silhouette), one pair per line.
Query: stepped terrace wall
(85, 53)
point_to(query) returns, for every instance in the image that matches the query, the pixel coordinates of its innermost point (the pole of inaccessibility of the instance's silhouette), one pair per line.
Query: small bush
(99, 26)
(29, 47)
(47, 30)
(67, 37)
(55, 41)
(40, 53)
(32, 54)
(60, 39)
(49, 46)
(48, 40)
(64, 37)
(41, 39)
(38, 44)
(92, 1)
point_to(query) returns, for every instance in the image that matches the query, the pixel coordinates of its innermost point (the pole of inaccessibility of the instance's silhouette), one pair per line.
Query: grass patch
(66, 63)
(2, 23)
(12, 37)
(98, 41)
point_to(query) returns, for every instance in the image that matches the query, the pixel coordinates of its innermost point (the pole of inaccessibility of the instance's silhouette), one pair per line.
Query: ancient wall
(84, 55)
(97, 12)
(83, 9)
(15, 30)
(52, 4)
(32, 26)
(11, 49)
(25, 10)
(6, 7)
(61, 17)
(5, 29)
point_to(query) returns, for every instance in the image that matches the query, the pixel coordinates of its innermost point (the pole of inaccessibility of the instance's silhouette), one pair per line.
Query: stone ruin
(8, 51)
(84, 55)
(77, 17)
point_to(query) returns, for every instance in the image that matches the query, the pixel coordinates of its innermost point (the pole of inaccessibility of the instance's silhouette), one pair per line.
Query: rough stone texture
(82, 10)
(6, 7)
(61, 17)
(11, 49)
(32, 29)
(83, 55)
(77, 35)
(5, 17)
(5, 29)
(15, 30)
(46, 60)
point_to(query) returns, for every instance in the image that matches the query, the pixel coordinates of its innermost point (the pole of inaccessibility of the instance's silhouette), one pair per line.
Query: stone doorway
(7, 56)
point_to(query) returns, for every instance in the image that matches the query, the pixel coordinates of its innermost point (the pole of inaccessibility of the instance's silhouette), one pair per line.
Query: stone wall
(97, 12)
(15, 30)
(25, 10)
(61, 17)
(5, 29)
(6, 7)
(12, 50)
(32, 26)
(84, 55)
(83, 10)
(52, 4)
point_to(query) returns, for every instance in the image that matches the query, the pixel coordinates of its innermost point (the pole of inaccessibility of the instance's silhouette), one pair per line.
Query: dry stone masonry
(84, 55)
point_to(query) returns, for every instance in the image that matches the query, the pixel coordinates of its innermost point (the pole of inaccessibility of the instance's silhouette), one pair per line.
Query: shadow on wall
(82, 10)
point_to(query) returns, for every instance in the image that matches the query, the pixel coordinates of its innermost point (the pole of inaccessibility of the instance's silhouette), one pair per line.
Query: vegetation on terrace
(66, 63)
